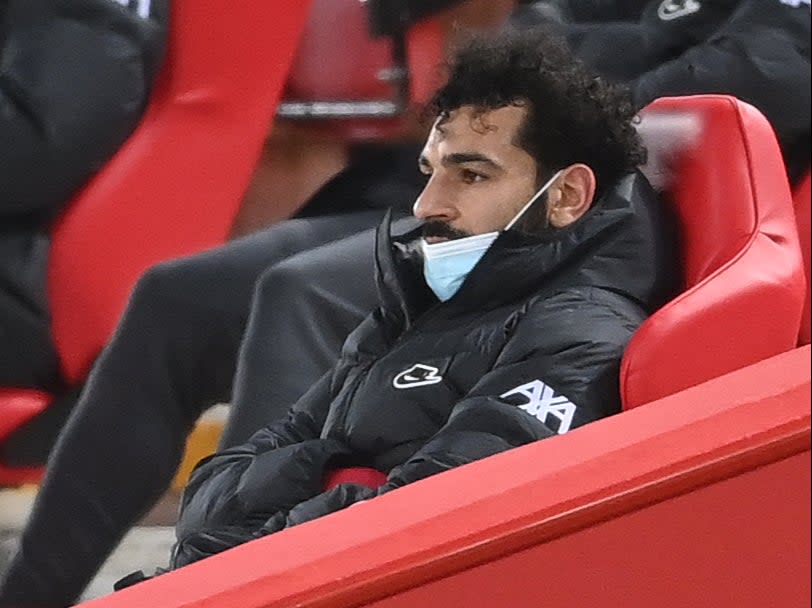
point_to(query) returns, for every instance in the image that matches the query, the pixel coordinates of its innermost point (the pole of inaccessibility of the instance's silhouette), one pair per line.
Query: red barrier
(701, 498)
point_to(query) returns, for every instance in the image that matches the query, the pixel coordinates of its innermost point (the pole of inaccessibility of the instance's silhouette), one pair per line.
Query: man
(501, 320)
(303, 299)
(75, 76)
(756, 50)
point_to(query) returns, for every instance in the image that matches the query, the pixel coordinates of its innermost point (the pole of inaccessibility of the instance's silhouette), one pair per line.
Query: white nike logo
(417, 375)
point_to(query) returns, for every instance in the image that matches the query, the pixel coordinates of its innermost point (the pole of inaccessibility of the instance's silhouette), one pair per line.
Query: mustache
(443, 230)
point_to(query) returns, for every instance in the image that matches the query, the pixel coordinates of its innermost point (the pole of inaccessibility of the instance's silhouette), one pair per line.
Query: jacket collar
(621, 244)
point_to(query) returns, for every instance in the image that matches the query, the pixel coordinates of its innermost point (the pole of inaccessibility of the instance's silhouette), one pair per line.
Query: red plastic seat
(801, 199)
(357, 86)
(175, 186)
(720, 164)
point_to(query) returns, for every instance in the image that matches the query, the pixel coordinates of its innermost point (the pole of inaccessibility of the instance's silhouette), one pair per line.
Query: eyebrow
(461, 158)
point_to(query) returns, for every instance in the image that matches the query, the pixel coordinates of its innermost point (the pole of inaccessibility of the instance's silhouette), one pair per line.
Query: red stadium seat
(175, 186)
(802, 213)
(358, 86)
(719, 162)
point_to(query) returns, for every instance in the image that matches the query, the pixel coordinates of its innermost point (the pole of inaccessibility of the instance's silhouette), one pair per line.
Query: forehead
(492, 132)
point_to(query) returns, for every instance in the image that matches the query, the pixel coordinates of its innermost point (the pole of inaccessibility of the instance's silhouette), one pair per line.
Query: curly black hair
(573, 115)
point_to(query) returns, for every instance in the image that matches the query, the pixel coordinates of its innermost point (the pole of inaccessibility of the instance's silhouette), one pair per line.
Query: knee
(155, 285)
(286, 282)
(166, 289)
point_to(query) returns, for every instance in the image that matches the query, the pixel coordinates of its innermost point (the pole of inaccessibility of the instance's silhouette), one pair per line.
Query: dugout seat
(175, 186)
(356, 77)
(801, 201)
(719, 163)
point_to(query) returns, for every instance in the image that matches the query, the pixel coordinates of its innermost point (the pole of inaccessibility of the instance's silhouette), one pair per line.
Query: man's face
(480, 178)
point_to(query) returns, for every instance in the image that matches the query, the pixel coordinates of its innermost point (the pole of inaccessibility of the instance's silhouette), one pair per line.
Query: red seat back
(720, 164)
(175, 186)
(802, 211)
(337, 59)
(340, 70)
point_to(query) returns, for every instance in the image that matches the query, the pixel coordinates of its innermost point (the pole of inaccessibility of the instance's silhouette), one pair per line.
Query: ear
(571, 196)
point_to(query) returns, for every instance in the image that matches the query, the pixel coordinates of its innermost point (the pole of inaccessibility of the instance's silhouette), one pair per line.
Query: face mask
(446, 264)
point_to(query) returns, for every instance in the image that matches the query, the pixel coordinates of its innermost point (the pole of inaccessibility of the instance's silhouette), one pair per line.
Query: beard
(443, 230)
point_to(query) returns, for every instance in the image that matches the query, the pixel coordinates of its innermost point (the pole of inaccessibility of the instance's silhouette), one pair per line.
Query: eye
(472, 177)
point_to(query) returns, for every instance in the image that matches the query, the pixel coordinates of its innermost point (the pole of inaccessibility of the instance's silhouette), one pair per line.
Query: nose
(433, 205)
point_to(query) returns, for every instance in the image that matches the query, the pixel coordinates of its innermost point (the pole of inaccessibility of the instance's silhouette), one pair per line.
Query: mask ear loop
(536, 196)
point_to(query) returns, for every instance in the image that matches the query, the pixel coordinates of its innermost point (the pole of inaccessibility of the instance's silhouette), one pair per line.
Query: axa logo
(674, 9)
(543, 403)
(417, 375)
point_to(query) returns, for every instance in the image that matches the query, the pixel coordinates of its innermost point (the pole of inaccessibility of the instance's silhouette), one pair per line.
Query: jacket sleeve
(760, 55)
(559, 371)
(74, 80)
(239, 488)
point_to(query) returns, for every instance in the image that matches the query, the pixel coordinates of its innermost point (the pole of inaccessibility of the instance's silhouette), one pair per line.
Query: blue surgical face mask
(446, 264)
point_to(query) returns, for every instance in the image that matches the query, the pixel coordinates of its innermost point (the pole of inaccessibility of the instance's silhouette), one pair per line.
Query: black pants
(174, 353)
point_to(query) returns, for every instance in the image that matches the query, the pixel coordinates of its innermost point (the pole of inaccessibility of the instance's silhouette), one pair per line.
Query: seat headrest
(698, 157)
(718, 163)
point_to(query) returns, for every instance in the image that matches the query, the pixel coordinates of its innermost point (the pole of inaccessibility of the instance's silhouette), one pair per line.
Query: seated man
(501, 320)
(756, 50)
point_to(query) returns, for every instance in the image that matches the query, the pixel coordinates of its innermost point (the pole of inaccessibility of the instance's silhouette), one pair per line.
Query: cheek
(485, 210)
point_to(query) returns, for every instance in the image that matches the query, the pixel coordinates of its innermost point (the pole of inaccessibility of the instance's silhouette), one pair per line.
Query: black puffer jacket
(529, 347)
